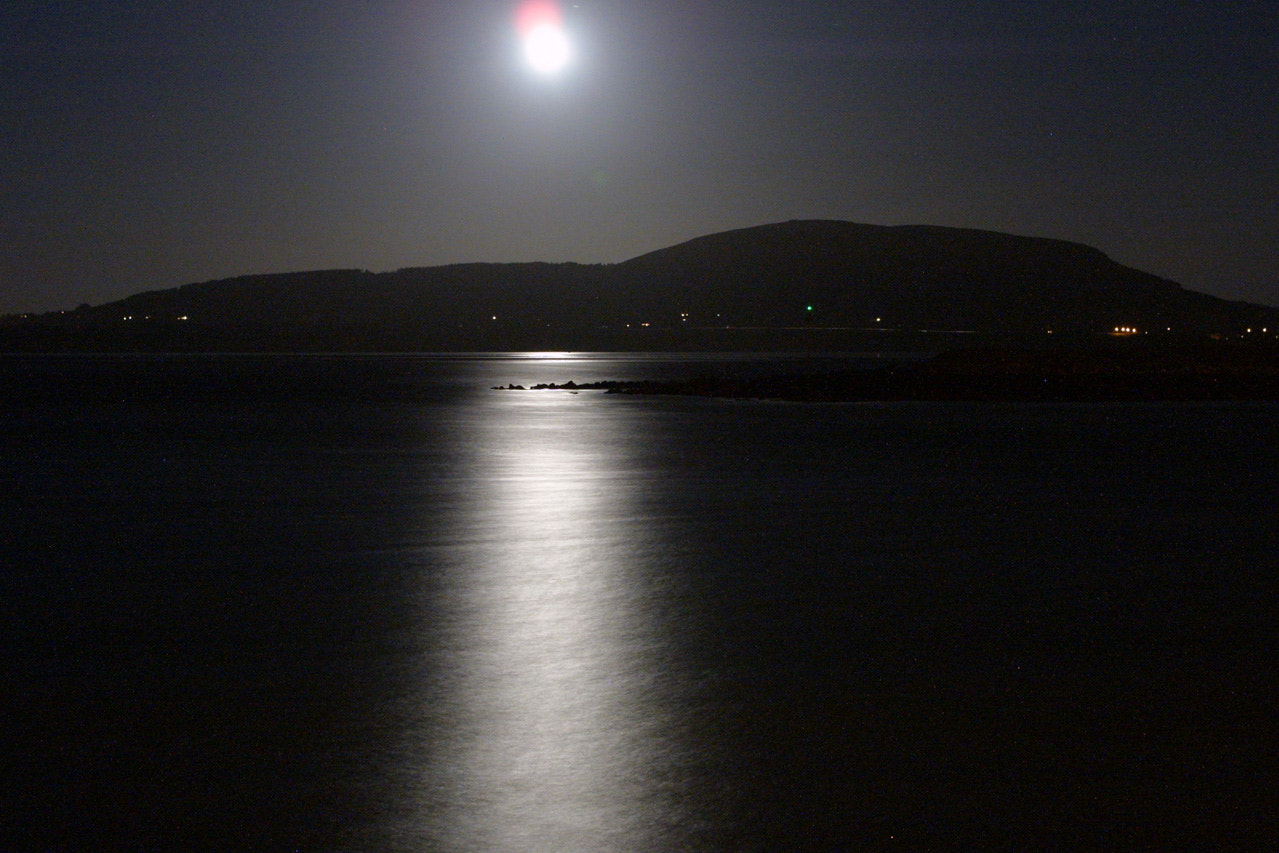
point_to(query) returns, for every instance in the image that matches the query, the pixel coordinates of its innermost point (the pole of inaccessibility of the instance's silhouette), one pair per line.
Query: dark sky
(150, 144)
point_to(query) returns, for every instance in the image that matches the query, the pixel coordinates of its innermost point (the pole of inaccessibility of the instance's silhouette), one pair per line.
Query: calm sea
(368, 603)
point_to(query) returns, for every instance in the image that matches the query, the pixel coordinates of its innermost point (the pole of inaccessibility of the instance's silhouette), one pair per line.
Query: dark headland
(1028, 309)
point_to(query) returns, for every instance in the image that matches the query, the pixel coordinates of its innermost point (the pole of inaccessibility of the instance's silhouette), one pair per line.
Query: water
(367, 603)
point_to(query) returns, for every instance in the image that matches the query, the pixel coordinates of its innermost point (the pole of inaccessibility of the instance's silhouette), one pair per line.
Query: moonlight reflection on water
(556, 718)
(369, 603)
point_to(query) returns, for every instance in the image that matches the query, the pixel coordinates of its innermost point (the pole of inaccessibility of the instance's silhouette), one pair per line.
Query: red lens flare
(532, 14)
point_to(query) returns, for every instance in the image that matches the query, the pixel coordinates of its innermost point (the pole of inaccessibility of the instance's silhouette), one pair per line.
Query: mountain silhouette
(798, 284)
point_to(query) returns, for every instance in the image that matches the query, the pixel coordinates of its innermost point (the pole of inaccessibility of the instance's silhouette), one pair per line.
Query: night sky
(151, 144)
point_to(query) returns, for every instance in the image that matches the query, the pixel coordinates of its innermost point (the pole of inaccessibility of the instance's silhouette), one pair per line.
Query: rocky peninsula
(999, 375)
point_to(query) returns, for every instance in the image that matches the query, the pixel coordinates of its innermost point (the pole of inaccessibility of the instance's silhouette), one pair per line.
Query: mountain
(799, 284)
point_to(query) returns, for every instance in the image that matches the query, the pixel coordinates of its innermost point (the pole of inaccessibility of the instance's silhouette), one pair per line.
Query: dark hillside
(793, 285)
(914, 276)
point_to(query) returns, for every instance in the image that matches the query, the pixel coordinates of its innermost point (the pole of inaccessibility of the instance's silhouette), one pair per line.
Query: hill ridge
(818, 283)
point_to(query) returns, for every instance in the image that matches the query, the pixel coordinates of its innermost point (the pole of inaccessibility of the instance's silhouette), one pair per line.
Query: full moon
(546, 49)
(546, 46)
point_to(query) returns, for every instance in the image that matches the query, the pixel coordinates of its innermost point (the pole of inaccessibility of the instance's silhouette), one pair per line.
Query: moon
(547, 49)
(546, 45)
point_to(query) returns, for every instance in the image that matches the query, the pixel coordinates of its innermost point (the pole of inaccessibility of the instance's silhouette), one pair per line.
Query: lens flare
(540, 24)
(537, 13)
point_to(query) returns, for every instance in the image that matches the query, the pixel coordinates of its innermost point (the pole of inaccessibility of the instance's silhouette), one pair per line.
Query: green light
(810, 308)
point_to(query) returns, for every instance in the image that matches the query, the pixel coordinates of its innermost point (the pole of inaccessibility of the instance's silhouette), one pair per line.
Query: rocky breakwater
(1001, 375)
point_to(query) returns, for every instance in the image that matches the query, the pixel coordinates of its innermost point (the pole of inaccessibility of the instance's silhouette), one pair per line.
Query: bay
(371, 603)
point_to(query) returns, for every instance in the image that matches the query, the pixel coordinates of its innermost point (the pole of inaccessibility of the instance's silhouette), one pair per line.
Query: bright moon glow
(546, 49)
(546, 46)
